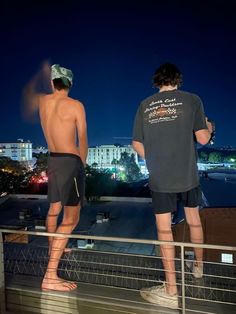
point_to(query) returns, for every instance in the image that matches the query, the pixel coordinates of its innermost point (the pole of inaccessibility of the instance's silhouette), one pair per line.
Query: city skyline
(113, 50)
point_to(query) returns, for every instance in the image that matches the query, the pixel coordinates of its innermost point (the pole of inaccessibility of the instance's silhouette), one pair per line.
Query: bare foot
(57, 284)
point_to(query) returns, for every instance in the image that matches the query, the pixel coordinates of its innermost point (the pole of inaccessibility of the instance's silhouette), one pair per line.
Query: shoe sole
(153, 301)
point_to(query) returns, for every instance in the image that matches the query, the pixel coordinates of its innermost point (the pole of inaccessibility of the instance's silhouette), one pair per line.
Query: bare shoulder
(78, 105)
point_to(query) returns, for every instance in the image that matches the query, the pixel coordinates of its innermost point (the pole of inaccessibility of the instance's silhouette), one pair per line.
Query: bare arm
(32, 92)
(82, 131)
(139, 148)
(203, 136)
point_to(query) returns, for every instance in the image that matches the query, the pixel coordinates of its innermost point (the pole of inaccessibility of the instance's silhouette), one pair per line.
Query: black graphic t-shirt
(165, 123)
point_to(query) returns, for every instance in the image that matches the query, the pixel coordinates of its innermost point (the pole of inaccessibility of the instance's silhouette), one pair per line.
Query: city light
(39, 179)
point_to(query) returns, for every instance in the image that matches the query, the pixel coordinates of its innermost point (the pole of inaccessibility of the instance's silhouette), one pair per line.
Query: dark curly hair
(167, 74)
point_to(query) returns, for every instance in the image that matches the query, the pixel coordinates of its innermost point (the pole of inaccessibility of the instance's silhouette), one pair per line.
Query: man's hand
(46, 69)
(203, 136)
(209, 125)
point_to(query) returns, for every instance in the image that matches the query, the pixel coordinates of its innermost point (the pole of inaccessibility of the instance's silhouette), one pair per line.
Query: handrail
(119, 239)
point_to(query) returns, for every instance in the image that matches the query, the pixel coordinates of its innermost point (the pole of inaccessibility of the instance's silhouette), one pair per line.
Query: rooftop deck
(110, 281)
(110, 275)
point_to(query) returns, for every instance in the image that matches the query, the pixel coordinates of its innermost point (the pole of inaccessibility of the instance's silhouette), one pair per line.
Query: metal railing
(124, 270)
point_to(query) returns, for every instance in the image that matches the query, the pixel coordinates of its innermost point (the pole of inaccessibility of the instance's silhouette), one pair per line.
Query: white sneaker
(158, 295)
(197, 271)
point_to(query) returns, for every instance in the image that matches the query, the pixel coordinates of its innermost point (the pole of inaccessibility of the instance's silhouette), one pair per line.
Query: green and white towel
(59, 72)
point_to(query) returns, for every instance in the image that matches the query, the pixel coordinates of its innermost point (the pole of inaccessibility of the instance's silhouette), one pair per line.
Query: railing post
(2, 278)
(183, 280)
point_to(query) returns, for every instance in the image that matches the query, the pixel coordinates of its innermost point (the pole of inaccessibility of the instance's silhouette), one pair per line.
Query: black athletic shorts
(167, 202)
(66, 179)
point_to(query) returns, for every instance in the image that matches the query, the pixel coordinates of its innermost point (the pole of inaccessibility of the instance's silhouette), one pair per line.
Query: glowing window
(227, 258)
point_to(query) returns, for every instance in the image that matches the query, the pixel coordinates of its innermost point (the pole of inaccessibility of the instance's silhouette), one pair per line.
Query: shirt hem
(176, 190)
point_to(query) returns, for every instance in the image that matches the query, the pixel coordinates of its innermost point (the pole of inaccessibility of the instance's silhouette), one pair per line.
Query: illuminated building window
(227, 258)
(189, 255)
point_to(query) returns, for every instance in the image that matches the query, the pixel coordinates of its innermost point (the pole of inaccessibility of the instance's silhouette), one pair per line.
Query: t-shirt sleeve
(199, 116)
(138, 126)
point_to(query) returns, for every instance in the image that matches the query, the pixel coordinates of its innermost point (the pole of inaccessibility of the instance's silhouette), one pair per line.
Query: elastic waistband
(64, 155)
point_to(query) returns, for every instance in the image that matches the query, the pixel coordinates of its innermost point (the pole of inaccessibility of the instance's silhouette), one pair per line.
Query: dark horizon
(113, 50)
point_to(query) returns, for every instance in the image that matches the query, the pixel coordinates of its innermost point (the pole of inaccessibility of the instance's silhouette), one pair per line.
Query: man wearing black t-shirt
(165, 127)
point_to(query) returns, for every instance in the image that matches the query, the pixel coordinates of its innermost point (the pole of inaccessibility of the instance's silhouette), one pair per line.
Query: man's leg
(164, 295)
(163, 223)
(51, 222)
(196, 232)
(51, 281)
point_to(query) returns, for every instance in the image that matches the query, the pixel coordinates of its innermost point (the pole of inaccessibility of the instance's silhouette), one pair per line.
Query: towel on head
(59, 72)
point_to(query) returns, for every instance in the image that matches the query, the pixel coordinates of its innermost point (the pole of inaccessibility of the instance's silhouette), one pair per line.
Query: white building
(104, 155)
(207, 166)
(40, 150)
(19, 150)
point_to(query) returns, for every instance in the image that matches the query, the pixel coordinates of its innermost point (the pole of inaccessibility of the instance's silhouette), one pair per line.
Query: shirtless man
(61, 118)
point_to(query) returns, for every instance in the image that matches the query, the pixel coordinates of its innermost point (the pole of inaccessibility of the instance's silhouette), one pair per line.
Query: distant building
(207, 166)
(105, 156)
(20, 150)
(219, 229)
(40, 150)
(142, 166)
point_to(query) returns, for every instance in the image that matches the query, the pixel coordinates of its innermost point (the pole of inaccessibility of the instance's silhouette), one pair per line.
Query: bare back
(61, 117)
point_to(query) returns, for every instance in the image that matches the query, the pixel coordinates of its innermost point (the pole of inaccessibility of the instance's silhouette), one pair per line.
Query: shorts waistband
(52, 154)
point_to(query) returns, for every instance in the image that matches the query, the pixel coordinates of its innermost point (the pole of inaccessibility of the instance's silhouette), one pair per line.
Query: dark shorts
(66, 179)
(167, 202)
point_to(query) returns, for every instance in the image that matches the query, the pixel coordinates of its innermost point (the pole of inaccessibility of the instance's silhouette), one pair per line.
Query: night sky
(113, 49)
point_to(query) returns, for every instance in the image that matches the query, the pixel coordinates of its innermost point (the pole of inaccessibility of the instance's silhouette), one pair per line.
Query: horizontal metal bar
(219, 277)
(213, 263)
(29, 196)
(211, 288)
(123, 254)
(201, 312)
(112, 275)
(118, 239)
(120, 265)
(211, 301)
